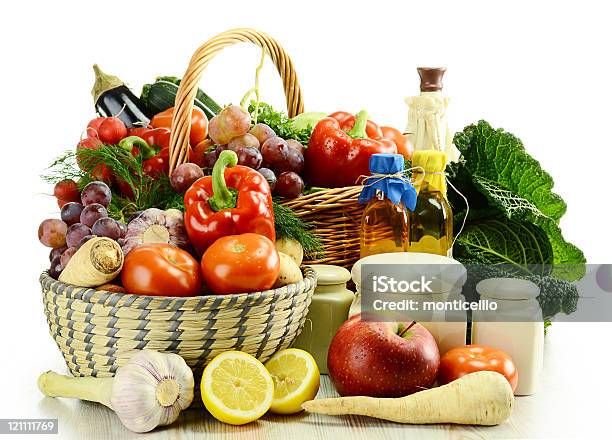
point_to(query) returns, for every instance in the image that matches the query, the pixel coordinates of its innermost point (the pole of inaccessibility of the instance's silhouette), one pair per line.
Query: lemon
(296, 380)
(236, 388)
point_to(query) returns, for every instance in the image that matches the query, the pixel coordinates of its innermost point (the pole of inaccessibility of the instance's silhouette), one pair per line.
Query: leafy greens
(514, 214)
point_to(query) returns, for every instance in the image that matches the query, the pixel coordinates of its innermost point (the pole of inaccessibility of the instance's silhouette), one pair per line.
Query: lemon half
(296, 379)
(236, 388)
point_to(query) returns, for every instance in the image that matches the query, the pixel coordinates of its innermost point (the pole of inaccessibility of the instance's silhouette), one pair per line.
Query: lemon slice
(236, 388)
(296, 380)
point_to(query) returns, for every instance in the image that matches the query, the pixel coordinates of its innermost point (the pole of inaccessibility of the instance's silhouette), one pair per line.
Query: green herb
(288, 225)
(148, 192)
(279, 122)
(514, 214)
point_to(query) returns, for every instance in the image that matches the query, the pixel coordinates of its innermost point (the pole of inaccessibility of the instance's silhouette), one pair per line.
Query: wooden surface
(564, 407)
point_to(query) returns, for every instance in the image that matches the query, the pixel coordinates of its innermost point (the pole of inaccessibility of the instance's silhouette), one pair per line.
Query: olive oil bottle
(431, 222)
(389, 197)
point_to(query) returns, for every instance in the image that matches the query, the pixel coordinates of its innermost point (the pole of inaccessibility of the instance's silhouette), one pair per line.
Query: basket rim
(310, 278)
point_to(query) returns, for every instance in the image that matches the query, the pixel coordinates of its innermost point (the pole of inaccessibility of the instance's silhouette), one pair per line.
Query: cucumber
(160, 96)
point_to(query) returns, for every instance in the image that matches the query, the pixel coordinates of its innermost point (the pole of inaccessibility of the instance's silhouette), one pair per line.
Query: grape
(246, 140)
(84, 240)
(274, 150)
(269, 176)
(295, 145)
(56, 252)
(184, 175)
(56, 268)
(262, 132)
(92, 213)
(71, 213)
(67, 255)
(75, 233)
(249, 157)
(294, 162)
(231, 122)
(106, 227)
(122, 228)
(289, 185)
(96, 192)
(52, 233)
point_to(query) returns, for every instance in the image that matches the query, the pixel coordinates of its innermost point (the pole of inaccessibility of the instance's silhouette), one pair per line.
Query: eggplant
(113, 98)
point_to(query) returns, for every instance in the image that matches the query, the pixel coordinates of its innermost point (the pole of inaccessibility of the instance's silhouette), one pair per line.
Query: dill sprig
(156, 192)
(148, 192)
(289, 225)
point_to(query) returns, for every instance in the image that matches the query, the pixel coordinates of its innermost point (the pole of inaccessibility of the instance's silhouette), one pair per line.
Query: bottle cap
(382, 163)
(329, 275)
(431, 78)
(508, 289)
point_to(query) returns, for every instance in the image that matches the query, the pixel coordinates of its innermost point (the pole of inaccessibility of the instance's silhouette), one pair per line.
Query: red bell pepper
(347, 122)
(335, 158)
(234, 200)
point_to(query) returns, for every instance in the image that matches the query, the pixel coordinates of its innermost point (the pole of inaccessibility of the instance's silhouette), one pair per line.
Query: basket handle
(181, 121)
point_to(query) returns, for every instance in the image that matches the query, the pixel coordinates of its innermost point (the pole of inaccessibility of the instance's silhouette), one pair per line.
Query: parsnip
(481, 398)
(97, 262)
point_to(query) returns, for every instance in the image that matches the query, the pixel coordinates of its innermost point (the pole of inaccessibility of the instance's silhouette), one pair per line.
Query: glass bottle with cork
(388, 194)
(431, 222)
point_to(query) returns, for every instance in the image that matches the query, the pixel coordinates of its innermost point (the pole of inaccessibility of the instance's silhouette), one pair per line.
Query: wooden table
(564, 407)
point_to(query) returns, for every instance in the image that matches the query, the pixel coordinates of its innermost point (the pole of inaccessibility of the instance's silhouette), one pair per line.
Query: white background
(541, 70)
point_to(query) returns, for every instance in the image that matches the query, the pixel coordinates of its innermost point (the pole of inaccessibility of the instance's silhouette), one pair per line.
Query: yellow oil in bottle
(431, 222)
(384, 227)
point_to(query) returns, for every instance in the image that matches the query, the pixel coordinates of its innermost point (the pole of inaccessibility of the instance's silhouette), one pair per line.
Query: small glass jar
(328, 310)
(516, 327)
(388, 194)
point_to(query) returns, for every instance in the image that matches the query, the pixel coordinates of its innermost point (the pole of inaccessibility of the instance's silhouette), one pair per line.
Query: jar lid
(507, 288)
(328, 274)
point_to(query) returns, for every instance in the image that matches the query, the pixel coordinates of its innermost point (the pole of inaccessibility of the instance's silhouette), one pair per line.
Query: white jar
(517, 327)
(448, 277)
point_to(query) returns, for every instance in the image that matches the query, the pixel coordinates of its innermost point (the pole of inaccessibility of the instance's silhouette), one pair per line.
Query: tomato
(161, 269)
(404, 146)
(464, 360)
(199, 124)
(240, 263)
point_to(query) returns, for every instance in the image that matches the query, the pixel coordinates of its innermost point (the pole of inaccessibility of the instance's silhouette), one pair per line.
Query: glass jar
(387, 192)
(516, 327)
(329, 308)
(431, 222)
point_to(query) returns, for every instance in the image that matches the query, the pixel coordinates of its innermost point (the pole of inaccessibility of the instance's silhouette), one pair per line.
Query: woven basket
(334, 213)
(98, 331)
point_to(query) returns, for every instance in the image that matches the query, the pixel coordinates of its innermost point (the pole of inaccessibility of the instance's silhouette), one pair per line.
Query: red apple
(382, 359)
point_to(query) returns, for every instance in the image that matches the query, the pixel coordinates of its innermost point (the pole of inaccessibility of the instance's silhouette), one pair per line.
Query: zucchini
(160, 96)
(113, 98)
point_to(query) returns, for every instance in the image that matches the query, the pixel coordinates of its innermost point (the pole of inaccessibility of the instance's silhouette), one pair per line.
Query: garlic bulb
(150, 390)
(156, 226)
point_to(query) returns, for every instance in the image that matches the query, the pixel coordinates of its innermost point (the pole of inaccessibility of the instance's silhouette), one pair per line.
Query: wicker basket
(334, 213)
(98, 331)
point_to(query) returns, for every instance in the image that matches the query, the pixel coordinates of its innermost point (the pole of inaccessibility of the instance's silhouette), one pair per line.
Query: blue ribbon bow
(385, 169)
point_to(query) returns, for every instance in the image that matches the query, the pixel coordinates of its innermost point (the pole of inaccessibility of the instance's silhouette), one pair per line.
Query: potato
(291, 247)
(289, 271)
